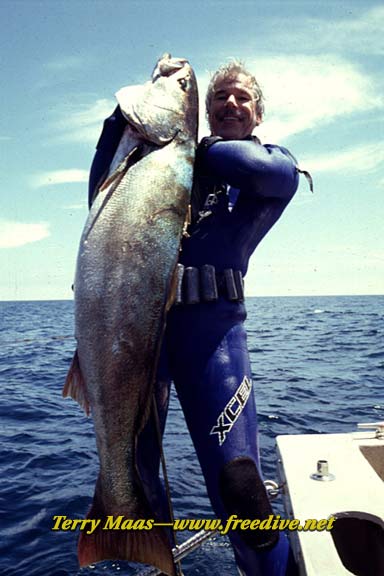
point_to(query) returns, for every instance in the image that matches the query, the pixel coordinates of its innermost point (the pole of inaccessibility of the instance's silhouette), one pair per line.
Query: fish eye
(183, 83)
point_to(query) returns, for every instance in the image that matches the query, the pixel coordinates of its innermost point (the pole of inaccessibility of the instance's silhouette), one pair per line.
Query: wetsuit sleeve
(113, 129)
(265, 170)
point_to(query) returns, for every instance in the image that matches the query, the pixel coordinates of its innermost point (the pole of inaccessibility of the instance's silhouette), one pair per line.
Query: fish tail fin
(74, 385)
(114, 540)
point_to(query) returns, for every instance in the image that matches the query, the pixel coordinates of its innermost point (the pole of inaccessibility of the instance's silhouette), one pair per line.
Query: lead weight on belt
(191, 285)
(239, 283)
(230, 285)
(208, 284)
(179, 283)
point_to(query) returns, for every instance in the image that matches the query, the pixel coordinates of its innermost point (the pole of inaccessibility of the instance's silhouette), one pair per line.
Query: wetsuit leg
(219, 407)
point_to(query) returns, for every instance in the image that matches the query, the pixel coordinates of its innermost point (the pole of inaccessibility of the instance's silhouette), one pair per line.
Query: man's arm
(268, 171)
(111, 134)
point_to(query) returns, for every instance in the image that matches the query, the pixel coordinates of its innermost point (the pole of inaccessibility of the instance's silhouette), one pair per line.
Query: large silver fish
(123, 289)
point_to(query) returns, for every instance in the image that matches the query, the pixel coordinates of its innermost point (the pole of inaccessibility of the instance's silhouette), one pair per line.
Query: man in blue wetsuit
(241, 189)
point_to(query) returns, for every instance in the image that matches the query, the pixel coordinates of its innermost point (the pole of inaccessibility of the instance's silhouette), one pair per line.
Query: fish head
(166, 107)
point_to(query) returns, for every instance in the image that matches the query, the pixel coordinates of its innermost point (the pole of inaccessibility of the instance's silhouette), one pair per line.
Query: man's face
(232, 114)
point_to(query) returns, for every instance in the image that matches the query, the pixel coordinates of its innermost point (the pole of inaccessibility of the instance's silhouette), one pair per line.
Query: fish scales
(126, 262)
(117, 306)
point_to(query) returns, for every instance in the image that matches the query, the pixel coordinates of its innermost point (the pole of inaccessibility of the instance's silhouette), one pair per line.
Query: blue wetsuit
(242, 189)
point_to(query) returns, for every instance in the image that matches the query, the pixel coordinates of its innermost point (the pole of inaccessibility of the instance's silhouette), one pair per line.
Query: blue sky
(321, 68)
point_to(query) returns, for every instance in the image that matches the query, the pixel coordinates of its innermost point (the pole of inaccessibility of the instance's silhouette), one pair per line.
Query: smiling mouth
(230, 118)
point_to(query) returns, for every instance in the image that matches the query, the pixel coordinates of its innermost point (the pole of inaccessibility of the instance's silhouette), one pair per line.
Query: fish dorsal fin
(74, 385)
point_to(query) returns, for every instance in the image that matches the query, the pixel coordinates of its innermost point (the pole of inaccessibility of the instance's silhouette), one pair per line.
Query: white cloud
(306, 92)
(63, 63)
(203, 81)
(364, 158)
(79, 206)
(13, 234)
(54, 177)
(84, 124)
(362, 34)
(331, 270)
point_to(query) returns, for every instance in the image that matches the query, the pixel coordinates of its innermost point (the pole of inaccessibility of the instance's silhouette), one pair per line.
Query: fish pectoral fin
(74, 385)
(172, 293)
(151, 218)
(131, 158)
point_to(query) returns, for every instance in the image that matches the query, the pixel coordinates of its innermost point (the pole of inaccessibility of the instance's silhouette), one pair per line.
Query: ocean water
(317, 367)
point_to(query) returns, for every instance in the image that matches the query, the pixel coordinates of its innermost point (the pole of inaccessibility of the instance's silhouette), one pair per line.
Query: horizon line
(246, 297)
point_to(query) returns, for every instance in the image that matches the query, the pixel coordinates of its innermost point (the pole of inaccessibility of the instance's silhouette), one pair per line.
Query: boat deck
(355, 496)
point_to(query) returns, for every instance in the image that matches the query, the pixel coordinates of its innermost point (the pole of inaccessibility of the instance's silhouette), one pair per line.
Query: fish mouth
(166, 66)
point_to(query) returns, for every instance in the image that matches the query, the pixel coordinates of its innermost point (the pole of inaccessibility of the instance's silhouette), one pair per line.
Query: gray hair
(229, 72)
